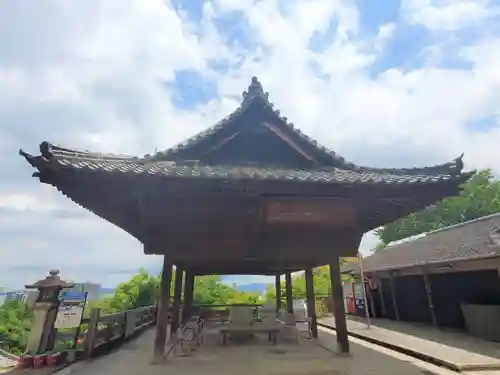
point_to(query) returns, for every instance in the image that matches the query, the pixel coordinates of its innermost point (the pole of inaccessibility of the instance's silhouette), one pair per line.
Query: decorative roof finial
(254, 90)
(457, 165)
(54, 273)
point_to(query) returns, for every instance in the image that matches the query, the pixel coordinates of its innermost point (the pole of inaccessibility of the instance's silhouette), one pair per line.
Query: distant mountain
(252, 287)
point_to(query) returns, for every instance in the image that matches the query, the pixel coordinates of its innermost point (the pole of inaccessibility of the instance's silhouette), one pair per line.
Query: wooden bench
(256, 328)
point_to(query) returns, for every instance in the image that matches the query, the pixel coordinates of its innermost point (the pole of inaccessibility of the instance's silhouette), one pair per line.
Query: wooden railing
(221, 312)
(106, 332)
(99, 334)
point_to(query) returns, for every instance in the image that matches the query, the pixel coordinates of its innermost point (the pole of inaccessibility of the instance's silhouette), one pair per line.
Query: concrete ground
(257, 357)
(456, 349)
(6, 364)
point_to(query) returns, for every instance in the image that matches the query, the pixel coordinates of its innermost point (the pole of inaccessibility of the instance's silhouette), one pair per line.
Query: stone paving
(258, 357)
(456, 349)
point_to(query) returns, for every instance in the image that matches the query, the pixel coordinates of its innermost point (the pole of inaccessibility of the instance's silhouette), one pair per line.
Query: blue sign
(74, 296)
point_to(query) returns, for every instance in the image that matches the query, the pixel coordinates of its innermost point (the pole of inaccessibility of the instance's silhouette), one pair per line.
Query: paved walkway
(6, 364)
(454, 349)
(258, 357)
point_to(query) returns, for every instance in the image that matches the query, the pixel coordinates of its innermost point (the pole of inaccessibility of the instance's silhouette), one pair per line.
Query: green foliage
(209, 290)
(480, 197)
(15, 323)
(322, 285)
(143, 290)
(140, 290)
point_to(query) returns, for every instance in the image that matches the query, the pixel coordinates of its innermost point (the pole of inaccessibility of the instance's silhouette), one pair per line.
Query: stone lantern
(42, 334)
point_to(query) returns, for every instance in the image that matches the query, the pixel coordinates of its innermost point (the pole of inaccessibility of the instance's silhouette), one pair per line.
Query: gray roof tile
(96, 162)
(255, 94)
(475, 238)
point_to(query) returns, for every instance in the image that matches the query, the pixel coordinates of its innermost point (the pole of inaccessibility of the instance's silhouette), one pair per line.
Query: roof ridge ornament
(457, 165)
(255, 90)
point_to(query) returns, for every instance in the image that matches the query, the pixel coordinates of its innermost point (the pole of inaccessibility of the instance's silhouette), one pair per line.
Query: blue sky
(393, 83)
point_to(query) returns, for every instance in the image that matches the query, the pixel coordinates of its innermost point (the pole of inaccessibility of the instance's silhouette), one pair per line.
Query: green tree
(210, 290)
(321, 280)
(15, 323)
(140, 290)
(480, 196)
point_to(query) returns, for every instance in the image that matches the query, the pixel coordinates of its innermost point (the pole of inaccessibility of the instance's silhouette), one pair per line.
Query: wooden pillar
(278, 292)
(371, 300)
(383, 310)
(179, 272)
(289, 297)
(430, 300)
(393, 294)
(188, 296)
(338, 307)
(311, 302)
(163, 309)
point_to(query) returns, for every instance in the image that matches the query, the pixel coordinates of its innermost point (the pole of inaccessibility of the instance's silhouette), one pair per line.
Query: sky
(394, 83)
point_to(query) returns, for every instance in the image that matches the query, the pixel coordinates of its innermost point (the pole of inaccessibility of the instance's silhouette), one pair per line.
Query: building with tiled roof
(429, 278)
(257, 152)
(471, 240)
(250, 195)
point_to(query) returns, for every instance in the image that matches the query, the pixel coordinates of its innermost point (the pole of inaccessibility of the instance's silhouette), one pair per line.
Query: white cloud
(368, 243)
(448, 14)
(98, 75)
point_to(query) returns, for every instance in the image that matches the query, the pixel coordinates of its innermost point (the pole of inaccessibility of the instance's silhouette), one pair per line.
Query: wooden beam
(143, 220)
(188, 295)
(338, 307)
(326, 212)
(163, 309)
(277, 286)
(220, 144)
(247, 267)
(288, 290)
(179, 272)
(289, 142)
(311, 302)
(428, 292)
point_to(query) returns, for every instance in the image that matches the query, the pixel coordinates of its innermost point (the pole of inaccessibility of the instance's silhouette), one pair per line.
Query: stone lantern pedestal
(42, 334)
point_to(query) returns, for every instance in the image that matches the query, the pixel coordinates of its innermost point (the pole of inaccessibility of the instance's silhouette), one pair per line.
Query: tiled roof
(57, 156)
(256, 94)
(334, 169)
(472, 239)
